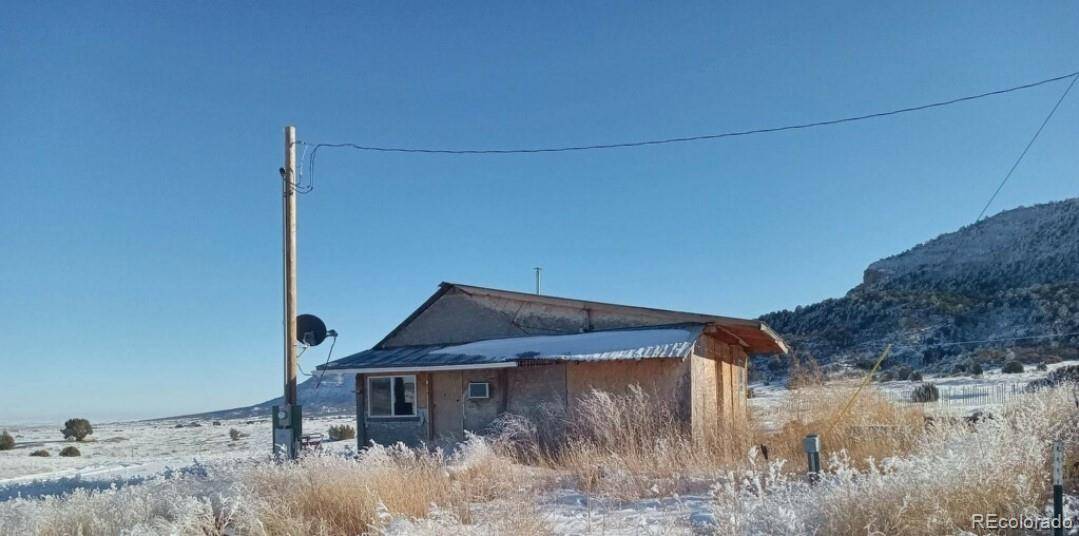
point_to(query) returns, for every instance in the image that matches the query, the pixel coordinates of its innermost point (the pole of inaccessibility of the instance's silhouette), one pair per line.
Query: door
(447, 417)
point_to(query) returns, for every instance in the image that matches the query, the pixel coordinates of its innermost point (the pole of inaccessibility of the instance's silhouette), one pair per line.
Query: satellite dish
(310, 330)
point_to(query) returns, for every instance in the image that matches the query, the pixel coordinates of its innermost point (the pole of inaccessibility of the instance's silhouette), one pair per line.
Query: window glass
(391, 396)
(379, 397)
(478, 390)
(404, 399)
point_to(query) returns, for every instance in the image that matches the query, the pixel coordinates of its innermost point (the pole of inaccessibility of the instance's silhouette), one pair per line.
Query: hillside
(334, 396)
(1015, 274)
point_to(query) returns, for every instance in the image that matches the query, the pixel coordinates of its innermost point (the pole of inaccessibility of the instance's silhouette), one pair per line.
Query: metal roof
(753, 335)
(673, 341)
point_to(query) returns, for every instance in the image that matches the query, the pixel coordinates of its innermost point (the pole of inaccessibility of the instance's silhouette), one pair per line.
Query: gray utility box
(287, 430)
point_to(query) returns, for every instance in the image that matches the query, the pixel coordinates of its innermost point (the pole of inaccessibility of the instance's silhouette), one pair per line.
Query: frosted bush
(953, 473)
(167, 505)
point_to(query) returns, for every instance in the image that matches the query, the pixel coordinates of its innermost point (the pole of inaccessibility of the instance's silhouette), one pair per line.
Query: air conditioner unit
(479, 390)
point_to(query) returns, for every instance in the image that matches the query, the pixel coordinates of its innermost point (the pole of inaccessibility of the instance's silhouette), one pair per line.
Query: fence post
(812, 447)
(1058, 488)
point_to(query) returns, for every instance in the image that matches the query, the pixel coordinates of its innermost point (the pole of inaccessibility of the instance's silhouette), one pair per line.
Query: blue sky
(141, 142)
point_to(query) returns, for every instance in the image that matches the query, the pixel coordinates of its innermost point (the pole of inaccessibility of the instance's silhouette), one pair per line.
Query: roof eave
(420, 368)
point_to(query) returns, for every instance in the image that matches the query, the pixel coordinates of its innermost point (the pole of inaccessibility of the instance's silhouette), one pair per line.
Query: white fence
(962, 396)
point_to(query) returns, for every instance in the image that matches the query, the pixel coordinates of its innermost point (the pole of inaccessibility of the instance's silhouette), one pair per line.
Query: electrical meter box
(287, 430)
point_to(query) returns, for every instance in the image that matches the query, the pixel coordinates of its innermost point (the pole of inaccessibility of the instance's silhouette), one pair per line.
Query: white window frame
(393, 393)
(486, 386)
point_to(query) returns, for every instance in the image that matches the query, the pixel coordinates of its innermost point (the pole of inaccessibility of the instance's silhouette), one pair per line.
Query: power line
(696, 138)
(981, 341)
(1027, 148)
(315, 147)
(955, 249)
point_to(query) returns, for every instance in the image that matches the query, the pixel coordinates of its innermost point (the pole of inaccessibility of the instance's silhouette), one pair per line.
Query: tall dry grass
(623, 445)
(636, 445)
(319, 496)
(873, 427)
(952, 472)
(324, 496)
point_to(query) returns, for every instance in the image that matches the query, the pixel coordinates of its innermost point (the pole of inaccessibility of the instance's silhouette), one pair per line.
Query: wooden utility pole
(288, 191)
(287, 418)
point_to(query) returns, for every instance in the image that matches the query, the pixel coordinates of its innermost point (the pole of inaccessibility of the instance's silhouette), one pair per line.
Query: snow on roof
(637, 343)
(631, 343)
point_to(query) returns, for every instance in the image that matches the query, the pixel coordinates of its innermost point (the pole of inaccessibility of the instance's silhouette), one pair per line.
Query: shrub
(925, 392)
(6, 441)
(40, 453)
(974, 368)
(1042, 367)
(236, 435)
(915, 376)
(1012, 367)
(70, 451)
(342, 432)
(77, 429)
(903, 372)
(804, 373)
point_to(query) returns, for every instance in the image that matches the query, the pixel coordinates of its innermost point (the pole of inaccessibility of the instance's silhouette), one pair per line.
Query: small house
(470, 354)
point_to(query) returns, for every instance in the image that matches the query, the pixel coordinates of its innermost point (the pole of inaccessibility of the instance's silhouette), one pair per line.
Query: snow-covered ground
(147, 455)
(128, 452)
(960, 395)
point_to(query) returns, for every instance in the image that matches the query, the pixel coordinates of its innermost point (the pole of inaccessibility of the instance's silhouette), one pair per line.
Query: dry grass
(885, 473)
(628, 446)
(872, 428)
(932, 486)
(332, 496)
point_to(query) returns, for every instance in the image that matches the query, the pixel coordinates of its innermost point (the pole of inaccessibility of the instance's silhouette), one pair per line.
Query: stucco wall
(536, 388)
(665, 379)
(480, 413)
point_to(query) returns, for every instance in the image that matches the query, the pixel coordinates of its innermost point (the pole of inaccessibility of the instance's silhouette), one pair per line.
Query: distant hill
(1015, 274)
(335, 396)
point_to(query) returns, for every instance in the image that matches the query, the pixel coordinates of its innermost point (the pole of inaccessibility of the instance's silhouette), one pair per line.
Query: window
(391, 396)
(479, 390)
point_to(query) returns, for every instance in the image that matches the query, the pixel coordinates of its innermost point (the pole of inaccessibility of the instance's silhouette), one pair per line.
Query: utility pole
(538, 272)
(287, 418)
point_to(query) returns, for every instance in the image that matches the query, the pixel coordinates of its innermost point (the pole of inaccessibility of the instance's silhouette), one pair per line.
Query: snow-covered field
(161, 465)
(129, 452)
(151, 454)
(960, 395)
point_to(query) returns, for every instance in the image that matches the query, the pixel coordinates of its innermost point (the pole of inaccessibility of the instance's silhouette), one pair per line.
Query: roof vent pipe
(539, 271)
